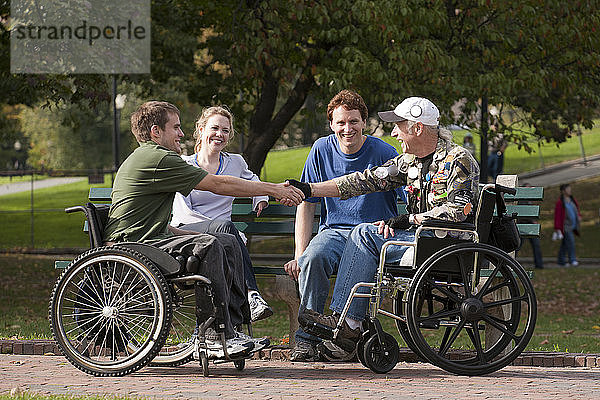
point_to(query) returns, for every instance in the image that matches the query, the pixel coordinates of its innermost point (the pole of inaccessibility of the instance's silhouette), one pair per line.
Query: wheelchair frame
(456, 300)
(114, 307)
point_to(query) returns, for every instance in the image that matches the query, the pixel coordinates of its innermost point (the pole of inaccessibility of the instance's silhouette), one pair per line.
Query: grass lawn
(568, 306)
(587, 193)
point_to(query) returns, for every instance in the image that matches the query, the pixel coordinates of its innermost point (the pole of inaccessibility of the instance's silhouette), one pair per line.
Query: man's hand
(305, 187)
(386, 228)
(288, 195)
(261, 206)
(292, 268)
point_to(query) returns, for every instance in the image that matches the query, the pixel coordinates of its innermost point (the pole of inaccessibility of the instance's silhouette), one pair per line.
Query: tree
(264, 58)
(538, 59)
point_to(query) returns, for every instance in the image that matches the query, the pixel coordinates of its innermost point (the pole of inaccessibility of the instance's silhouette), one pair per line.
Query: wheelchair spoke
(464, 274)
(489, 280)
(439, 315)
(499, 286)
(506, 301)
(500, 327)
(476, 340)
(443, 350)
(452, 295)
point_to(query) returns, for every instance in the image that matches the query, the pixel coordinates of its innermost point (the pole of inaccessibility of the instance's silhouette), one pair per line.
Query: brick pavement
(532, 359)
(281, 379)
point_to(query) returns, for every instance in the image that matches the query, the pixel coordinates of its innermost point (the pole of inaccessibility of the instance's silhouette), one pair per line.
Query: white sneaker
(259, 309)
(236, 347)
(259, 343)
(574, 263)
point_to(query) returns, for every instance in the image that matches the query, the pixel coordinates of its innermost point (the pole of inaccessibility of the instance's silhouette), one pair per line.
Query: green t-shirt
(143, 193)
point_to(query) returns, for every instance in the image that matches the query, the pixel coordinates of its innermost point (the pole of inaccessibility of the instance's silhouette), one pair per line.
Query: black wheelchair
(463, 305)
(118, 308)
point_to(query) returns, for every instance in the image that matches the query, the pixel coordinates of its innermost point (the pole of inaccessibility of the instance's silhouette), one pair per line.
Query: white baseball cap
(417, 109)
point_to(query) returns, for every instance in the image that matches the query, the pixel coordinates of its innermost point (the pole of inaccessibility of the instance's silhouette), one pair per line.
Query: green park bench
(277, 221)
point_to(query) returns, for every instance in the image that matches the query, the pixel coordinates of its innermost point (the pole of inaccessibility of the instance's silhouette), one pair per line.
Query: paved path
(16, 187)
(566, 172)
(286, 380)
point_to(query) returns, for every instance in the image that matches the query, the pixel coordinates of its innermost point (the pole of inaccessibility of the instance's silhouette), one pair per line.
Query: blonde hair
(203, 119)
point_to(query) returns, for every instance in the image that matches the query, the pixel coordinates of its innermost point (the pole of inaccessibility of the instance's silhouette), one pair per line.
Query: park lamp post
(118, 104)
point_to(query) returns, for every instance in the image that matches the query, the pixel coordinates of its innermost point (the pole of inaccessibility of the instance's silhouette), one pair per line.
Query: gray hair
(444, 133)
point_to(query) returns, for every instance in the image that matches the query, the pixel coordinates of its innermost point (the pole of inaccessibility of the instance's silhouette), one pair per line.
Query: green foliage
(536, 62)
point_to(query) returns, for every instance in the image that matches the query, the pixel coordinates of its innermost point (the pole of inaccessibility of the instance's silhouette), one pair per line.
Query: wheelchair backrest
(97, 217)
(484, 214)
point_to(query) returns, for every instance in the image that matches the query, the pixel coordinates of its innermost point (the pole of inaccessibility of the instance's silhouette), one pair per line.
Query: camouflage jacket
(447, 190)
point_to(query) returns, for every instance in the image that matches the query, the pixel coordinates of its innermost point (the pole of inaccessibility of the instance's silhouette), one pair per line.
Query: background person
(142, 200)
(495, 164)
(567, 219)
(441, 179)
(346, 150)
(469, 144)
(206, 212)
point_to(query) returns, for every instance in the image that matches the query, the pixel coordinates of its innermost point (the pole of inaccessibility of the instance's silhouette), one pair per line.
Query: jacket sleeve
(376, 179)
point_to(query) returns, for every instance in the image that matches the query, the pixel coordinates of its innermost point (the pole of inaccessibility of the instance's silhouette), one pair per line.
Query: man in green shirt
(142, 198)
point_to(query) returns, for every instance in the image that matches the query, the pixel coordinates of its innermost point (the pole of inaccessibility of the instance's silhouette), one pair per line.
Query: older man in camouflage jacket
(441, 180)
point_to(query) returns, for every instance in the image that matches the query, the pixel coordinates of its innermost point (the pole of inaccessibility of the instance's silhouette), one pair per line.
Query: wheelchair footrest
(319, 330)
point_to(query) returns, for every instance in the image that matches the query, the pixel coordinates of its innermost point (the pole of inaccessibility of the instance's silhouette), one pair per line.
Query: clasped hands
(293, 192)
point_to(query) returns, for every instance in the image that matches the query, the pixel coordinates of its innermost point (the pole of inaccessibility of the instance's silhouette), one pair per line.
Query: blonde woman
(206, 212)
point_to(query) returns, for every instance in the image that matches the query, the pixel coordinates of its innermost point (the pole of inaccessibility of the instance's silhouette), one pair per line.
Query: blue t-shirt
(571, 216)
(327, 161)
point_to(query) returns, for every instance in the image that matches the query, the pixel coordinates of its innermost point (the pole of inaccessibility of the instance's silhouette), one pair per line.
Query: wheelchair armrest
(438, 223)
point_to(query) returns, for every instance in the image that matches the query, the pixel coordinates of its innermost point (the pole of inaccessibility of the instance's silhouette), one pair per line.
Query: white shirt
(201, 205)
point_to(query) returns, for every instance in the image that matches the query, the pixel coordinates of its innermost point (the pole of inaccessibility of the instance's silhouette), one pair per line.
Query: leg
(562, 251)
(238, 301)
(225, 226)
(538, 260)
(318, 262)
(569, 241)
(213, 265)
(359, 263)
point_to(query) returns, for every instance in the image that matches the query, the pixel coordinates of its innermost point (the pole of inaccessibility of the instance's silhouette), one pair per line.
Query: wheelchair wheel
(110, 311)
(381, 356)
(450, 331)
(179, 345)
(240, 364)
(403, 327)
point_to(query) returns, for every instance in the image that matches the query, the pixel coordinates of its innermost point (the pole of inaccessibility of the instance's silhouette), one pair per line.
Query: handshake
(303, 186)
(291, 193)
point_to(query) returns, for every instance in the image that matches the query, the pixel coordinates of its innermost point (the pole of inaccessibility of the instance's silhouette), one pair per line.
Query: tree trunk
(266, 129)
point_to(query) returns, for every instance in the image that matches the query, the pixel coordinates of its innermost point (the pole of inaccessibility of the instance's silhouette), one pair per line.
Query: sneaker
(304, 351)
(259, 343)
(236, 347)
(574, 263)
(332, 352)
(323, 325)
(259, 309)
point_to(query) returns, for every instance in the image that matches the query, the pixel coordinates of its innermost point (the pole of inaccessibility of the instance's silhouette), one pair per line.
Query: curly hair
(350, 101)
(149, 114)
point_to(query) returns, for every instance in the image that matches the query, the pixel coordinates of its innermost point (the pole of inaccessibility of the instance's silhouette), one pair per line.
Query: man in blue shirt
(346, 150)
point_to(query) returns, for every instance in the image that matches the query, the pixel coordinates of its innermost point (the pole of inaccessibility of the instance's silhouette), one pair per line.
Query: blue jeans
(359, 263)
(225, 226)
(537, 252)
(567, 247)
(319, 261)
